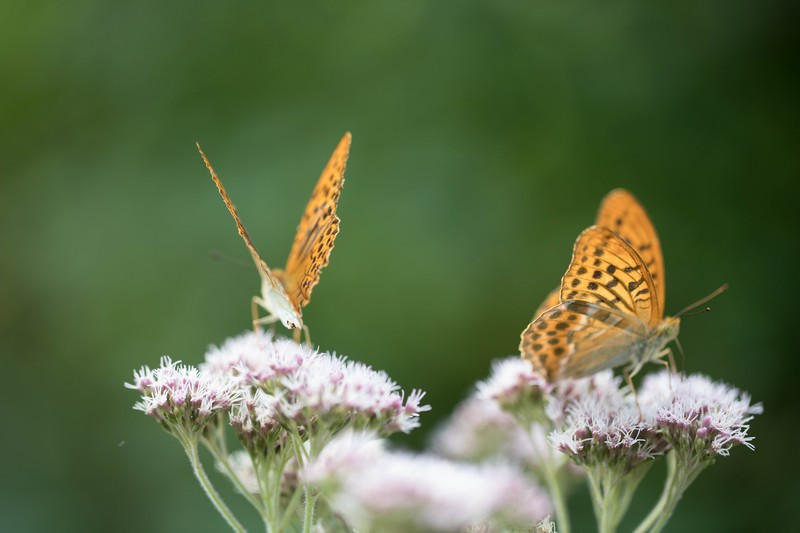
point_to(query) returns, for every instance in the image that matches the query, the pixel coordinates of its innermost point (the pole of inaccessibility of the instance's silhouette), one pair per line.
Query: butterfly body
(285, 292)
(276, 302)
(608, 311)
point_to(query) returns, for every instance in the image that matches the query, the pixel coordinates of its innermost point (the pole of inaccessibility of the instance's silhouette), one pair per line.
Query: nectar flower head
(256, 357)
(180, 394)
(255, 420)
(515, 387)
(382, 491)
(698, 415)
(349, 451)
(479, 430)
(602, 387)
(302, 386)
(603, 426)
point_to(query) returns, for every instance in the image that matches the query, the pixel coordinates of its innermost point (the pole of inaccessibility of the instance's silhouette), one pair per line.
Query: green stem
(190, 446)
(599, 501)
(289, 510)
(310, 501)
(612, 489)
(261, 467)
(557, 495)
(279, 461)
(628, 489)
(681, 472)
(222, 458)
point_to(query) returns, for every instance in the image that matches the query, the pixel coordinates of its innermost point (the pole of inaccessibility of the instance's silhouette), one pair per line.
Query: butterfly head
(277, 303)
(667, 330)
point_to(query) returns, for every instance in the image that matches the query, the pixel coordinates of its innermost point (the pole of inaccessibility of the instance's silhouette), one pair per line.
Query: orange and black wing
(317, 231)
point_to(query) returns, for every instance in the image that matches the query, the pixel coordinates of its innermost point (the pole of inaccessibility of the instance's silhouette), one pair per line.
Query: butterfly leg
(669, 364)
(298, 335)
(629, 380)
(669, 372)
(308, 335)
(255, 303)
(671, 359)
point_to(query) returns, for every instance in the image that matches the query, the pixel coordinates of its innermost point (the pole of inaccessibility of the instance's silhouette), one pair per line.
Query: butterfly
(285, 292)
(609, 309)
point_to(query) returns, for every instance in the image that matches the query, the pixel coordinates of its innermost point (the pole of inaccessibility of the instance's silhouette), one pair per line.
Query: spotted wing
(606, 270)
(621, 212)
(577, 338)
(553, 299)
(318, 228)
(262, 267)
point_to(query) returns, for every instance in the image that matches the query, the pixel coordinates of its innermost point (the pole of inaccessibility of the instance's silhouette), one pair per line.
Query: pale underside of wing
(621, 212)
(606, 270)
(575, 339)
(262, 267)
(317, 230)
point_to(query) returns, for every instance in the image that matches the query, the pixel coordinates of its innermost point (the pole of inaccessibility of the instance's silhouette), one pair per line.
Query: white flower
(600, 388)
(307, 387)
(479, 430)
(698, 414)
(329, 389)
(314, 387)
(512, 380)
(255, 420)
(178, 393)
(603, 425)
(349, 451)
(256, 357)
(381, 491)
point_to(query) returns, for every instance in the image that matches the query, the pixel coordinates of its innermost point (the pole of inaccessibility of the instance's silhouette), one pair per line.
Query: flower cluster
(513, 385)
(296, 385)
(479, 430)
(598, 424)
(178, 394)
(695, 413)
(284, 401)
(312, 425)
(604, 425)
(376, 490)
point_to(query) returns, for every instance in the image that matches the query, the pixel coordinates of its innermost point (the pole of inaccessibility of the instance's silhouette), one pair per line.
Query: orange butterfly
(609, 309)
(284, 293)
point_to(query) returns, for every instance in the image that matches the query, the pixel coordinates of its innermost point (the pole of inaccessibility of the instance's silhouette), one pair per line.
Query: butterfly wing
(553, 299)
(575, 339)
(526, 341)
(606, 270)
(262, 267)
(318, 228)
(621, 212)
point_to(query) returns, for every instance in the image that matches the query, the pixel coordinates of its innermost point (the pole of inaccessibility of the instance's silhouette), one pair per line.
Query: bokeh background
(485, 134)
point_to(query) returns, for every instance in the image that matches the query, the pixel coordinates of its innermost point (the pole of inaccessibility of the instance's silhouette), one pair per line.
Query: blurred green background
(484, 136)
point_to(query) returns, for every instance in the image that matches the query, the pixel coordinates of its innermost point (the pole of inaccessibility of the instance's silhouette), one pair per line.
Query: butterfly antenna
(704, 300)
(700, 312)
(216, 255)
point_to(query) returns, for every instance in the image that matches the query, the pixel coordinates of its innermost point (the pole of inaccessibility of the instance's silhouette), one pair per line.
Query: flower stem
(289, 511)
(599, 503)
(612, 490)
(310, 501)
(557, 495)
(681, 472)
(190, 446)
(222, 459)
